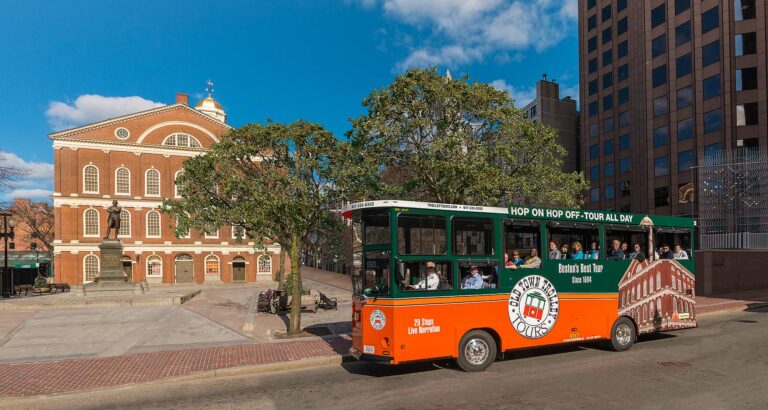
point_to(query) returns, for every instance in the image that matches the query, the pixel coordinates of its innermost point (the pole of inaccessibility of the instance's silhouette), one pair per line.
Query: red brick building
(135, 159)
(659, 295)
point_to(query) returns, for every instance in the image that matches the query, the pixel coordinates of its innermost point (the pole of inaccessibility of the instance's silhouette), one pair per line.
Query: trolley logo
(378, 320)
(533, 306)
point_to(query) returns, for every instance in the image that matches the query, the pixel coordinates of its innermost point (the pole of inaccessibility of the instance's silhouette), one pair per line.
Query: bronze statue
(114, 219)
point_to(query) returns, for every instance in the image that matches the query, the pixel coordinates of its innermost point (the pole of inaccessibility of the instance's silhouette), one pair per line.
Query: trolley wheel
(623, 335)
(477, 350)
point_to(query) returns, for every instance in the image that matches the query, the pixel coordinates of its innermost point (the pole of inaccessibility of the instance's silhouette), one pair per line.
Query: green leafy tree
(271, 180)
(433, 138)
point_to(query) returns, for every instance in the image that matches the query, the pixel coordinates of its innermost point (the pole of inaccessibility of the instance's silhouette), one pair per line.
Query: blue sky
(74, 62)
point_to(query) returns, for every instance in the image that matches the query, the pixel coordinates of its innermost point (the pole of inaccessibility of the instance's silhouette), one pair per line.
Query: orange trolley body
(401, 314)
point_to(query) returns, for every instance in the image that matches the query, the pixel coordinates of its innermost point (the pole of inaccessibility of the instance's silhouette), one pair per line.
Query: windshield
(357, 273)
(376, 273)
(376, 228)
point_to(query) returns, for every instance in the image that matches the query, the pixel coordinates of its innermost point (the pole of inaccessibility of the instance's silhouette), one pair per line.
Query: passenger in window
(625, 249)
(516, 259)
(615, 253)
(636, 253)
(577, 252)
(432, 280)
(531, 262)
(679, 253)
(474, 280)
(554, 253)
(593, 252)
(564, 254)
(666, 253)
(508, 263)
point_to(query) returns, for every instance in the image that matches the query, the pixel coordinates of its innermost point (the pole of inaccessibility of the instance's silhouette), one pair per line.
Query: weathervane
(209, 87)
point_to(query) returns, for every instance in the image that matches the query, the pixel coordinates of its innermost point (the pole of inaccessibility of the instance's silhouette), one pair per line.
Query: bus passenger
(564, 254)
(625, 249)
(615, 253)
(637, 253)
(553, 252)
(593, 252)
(666, 253)
(430, 282)
(474, 280)
(680, 253)
(516, 259)
(508, 263)
(531, 262)
(577, 252)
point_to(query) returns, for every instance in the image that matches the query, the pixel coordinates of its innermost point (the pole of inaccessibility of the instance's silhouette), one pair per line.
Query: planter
(41, 290)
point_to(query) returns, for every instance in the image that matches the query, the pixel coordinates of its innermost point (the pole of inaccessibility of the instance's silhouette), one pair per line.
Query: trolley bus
(434, 280)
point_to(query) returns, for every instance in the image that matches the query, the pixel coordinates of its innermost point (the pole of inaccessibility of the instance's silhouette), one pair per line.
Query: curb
(84, 301)
(210, 374)
(742, 307)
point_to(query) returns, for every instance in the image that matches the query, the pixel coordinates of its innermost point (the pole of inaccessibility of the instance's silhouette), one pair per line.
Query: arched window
(90, 268)
(182, 234)
(176, 184)
(152, 182)
(658, 280)
(633, 294)
(154, 266)
(182, 140)
(125, 223)
(153, 224)
(658, 305)
(674, 283)
(122, 181)
(212, 265)
(650, 311)
(265, 264)
(645, 288)
(674, 304)
(650, 283)
(91, 222)
(645, 312)
(91, 179)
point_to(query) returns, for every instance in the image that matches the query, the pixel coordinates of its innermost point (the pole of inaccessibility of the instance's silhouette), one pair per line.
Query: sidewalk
(52, 377)
(738, 300)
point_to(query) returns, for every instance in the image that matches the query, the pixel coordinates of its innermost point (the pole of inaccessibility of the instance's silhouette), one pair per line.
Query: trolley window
(472, 236)
(672, 243)
(521, 237)
(376, 279)
(575, 240)
(425, 275)
(486, 276)
(376, 228)
(633, 241)
(421, 235)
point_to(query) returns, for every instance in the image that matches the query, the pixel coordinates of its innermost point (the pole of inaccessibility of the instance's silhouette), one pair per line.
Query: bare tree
(9, 175)
(36, 220)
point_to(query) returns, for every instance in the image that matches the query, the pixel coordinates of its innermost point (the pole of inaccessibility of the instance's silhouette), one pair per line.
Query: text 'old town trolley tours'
(469, 282)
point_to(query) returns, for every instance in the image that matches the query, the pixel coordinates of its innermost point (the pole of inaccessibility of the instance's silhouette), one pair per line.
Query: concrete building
(663, 82)
(135, 159)
(560, 114)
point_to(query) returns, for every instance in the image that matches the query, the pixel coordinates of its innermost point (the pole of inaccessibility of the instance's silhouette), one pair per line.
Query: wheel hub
(476, 351)
(623, 334)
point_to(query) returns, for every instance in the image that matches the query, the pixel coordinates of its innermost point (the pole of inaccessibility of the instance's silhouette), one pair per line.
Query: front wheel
(623, 335)
(477, 350)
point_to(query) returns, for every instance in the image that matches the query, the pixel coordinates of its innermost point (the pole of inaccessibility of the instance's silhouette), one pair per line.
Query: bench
(264, 303)
(327, 303)
(60, 286)
(25, 288)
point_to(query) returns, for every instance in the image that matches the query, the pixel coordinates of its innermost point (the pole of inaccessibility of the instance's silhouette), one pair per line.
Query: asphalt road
(722, 364)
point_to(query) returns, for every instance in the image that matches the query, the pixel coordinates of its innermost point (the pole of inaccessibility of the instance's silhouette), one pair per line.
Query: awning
(24, 260)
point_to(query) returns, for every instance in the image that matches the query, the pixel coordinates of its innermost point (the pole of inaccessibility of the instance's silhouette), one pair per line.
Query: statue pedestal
(110, 280)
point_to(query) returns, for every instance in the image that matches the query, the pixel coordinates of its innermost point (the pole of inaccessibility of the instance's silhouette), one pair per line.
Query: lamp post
(5, 279)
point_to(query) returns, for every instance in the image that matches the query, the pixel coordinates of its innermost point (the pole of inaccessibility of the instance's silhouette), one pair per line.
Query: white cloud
(36, 185)
(520, 95)
(90, 108)
(480, 27)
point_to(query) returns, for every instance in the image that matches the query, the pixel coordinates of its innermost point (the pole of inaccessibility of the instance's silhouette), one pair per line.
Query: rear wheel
(623, 335)
(477, 350)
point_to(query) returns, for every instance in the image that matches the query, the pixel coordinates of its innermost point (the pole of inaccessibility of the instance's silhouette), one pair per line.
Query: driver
(432, 280)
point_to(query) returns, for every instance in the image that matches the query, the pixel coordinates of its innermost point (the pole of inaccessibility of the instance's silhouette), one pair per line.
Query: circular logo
(533, 306)
(378, 320)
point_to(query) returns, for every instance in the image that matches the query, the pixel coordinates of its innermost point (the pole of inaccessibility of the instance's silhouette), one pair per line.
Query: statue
(114, 219)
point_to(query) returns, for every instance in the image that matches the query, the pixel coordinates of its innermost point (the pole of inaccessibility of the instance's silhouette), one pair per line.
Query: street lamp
(5, 279)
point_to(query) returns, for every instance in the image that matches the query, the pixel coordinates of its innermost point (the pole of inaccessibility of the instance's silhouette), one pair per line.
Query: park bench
(326, 302)
(20, 288)
(282, 303)
(264, 304)
(60, 286)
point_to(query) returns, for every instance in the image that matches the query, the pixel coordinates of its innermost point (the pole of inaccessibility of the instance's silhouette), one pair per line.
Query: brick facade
(139, 143)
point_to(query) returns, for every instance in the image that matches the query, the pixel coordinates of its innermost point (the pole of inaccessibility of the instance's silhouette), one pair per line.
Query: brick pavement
(51, 377)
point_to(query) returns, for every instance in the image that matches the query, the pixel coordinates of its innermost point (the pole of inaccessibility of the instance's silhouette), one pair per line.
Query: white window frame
(212, 236)
(189, 144)
(176, 185)
(85, 223)
(148, 270)
(233, 232)
(85, 267)
(187, 236)
(117, 184)
(98, 185)
(258, 264)
(218, 264)
(146, 183)
(159, 224)
(123, 224)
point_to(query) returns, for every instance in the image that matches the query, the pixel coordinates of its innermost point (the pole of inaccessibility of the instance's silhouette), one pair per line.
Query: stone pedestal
(111, 280)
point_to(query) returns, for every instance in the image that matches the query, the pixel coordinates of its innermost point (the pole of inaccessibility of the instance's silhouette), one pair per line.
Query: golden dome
(208, 102)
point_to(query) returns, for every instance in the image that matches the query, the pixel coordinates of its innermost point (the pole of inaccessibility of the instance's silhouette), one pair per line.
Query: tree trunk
(281, 270)
(295, 324)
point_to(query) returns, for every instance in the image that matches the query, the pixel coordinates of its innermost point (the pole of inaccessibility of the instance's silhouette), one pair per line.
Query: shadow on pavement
(385, 370)
(757, 307)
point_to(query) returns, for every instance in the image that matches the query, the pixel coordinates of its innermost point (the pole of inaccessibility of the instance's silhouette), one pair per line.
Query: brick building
(23, 233)
(135, 159)
(663, 82)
